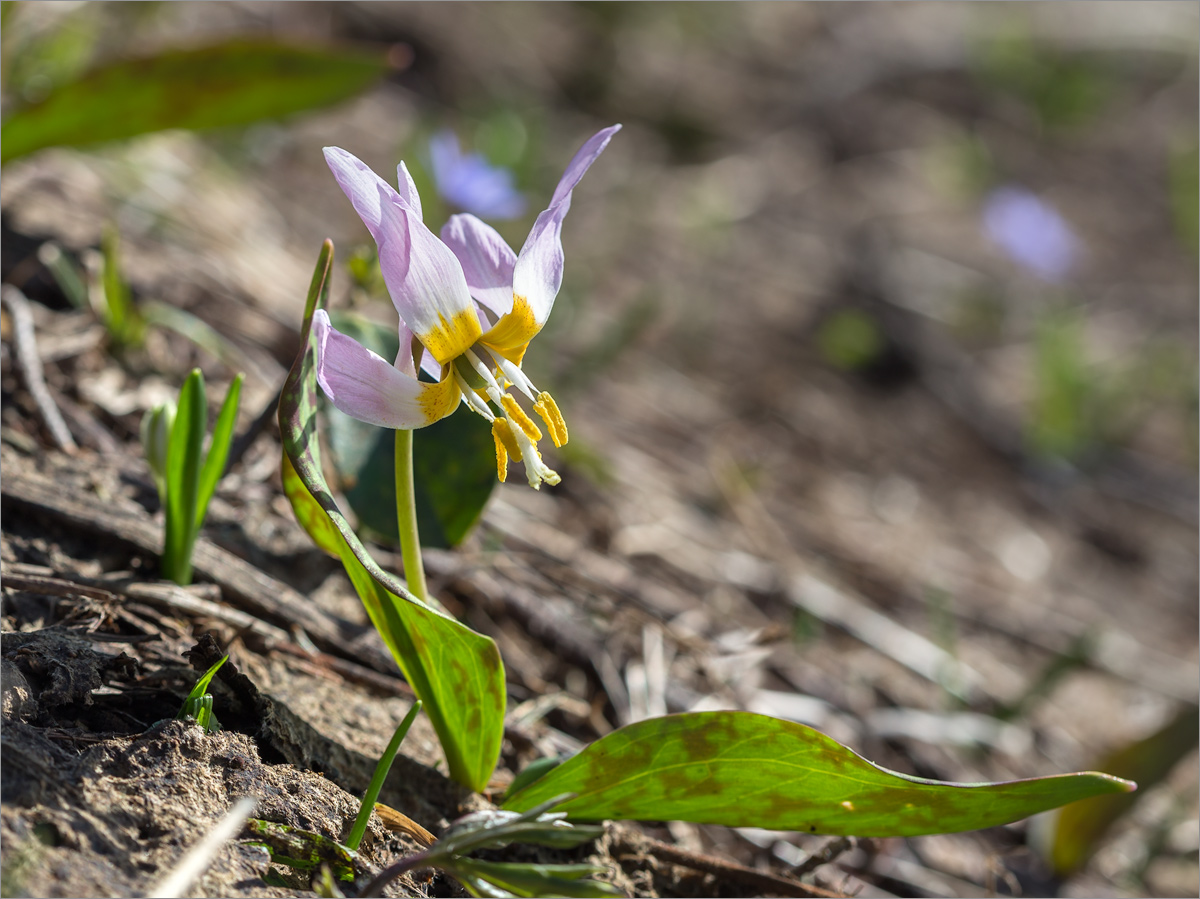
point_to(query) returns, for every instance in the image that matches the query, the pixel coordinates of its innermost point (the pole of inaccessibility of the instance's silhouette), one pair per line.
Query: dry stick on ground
(25, 348)
(178, 882)
(242, 584)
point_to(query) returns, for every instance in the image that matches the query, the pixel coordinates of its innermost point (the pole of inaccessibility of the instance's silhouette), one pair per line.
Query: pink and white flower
(468, 305)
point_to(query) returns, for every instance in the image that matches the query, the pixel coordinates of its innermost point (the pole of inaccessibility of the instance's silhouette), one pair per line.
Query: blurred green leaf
(455, 672)
(454, 462)
(745, 770)
(124, 322)
(1064, 89)
(235, 83)
(850, 339)
(1060, 425)
(37, 55)
(1185, 195)
(1080, 826)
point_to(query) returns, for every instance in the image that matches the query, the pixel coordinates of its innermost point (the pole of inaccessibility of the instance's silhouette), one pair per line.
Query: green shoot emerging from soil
(173, 441)
(199, 702)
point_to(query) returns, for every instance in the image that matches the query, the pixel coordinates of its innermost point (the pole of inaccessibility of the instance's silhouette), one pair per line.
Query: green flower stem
(406, 517)
(380, 775)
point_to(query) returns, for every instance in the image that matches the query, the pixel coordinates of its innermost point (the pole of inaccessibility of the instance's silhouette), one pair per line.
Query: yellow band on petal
(439, 400)
(511, 335)
(449, 339)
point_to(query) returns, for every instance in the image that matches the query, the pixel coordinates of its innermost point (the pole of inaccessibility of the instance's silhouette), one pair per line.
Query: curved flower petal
(361, 185)
(487, 260)
(581, 162)
(408, 190)
(364, 386)
(404, 356)
(538, 272)
(426, 282)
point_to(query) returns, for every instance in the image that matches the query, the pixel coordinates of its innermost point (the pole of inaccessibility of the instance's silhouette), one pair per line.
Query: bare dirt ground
(742, 524)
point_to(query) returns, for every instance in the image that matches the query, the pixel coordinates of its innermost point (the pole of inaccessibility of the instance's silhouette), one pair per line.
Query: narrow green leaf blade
(205, 679)
(234, 83)
(747, 770)
(183, 474)
(218, 451)
(454, 671)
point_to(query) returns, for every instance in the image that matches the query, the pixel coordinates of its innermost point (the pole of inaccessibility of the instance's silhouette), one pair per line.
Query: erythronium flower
(468, 308)
(469, 182)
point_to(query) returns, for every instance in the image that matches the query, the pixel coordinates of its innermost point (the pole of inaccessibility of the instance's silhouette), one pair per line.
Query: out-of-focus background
(877, 343)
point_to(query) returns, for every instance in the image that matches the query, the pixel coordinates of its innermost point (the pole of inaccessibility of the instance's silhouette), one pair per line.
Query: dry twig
(25, 348)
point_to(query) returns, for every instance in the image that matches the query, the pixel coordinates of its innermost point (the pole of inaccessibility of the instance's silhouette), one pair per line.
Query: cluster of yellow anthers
(515, 433)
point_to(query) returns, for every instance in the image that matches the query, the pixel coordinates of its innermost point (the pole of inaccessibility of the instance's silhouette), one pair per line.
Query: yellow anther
(506, 443)
(518, 417)
(501, 452)
(548, 410)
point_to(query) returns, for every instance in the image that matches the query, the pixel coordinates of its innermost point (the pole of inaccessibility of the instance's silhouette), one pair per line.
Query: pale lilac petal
(582, 161)
(537, 275)
(487, 260)
(426, 283)
(408, 190)
(365, 386)
(429, 365)
(404, 356)
(361, 185)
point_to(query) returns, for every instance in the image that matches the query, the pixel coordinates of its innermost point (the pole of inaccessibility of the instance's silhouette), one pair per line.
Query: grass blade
(183, 474)
(218, 452)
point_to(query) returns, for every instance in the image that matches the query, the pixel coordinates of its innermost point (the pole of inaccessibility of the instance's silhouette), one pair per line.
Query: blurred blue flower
(1031, 231)
(470, 183)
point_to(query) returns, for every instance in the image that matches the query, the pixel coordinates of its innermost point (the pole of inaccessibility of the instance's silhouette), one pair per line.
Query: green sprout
(381, 772)
(199, 702)
(186, 479)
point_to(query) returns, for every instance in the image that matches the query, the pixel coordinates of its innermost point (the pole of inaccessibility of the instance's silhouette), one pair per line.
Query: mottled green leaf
(747, 770)
(454, 461)
(234, 83)
(454, 671)
(1080, 826)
